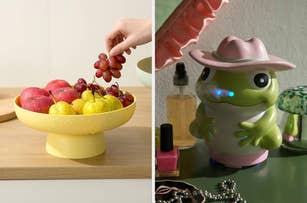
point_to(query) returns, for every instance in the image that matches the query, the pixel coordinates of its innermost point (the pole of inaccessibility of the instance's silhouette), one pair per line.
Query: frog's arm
(272, 139)
(263, 132)
(202, 126)
(291, 127)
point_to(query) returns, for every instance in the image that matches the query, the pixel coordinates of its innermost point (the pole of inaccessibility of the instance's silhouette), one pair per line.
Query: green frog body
(237, 115)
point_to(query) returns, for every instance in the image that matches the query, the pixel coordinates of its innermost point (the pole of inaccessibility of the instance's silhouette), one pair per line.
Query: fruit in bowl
(56, 84)
(35, 99)
(78, 104)
(39, 104)
(75, 130)
(67, 94)
(62, 98)
(62, 108)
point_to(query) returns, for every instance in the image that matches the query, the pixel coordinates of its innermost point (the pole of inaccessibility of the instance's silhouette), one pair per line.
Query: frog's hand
(194, 130)
(200, 112)
(194, 126)
(244, 138)
(203, 130)
(202, 126)
(252, 133)
(249, 134)
(272, 139)
(291, 128)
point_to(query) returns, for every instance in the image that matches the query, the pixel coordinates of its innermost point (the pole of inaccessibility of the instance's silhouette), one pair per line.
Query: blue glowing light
(231, 94)
(218, 92)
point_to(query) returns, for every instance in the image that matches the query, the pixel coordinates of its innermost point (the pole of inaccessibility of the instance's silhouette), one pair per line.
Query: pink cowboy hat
(237, 54)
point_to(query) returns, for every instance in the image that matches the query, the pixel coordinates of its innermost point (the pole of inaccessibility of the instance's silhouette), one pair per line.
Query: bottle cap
(166, 137)
(180, 77)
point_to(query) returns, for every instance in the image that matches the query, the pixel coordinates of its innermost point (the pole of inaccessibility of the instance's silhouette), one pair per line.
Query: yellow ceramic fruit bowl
(75, 136)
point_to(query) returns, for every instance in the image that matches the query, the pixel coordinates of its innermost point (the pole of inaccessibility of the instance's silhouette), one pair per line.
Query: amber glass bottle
(181, 107)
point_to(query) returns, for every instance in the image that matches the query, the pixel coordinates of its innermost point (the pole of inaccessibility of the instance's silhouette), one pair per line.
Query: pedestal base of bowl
(75, 146)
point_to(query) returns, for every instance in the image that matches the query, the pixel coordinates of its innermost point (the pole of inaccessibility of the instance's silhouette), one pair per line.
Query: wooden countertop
(128, 153)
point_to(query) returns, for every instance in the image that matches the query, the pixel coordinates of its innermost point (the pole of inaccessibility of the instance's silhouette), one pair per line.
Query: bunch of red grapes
(109, 67)
(125, 97)
(82, 85)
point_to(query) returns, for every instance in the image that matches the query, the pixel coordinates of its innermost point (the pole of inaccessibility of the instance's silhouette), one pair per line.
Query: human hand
(127, 34)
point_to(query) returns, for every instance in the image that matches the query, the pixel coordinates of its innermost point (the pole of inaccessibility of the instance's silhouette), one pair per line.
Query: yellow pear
(78, 104)
(94, 106)
(87, 95)
(62, 108)
(112, 102)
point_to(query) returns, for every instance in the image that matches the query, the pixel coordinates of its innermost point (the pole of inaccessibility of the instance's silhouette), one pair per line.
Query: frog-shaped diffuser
(238, 89)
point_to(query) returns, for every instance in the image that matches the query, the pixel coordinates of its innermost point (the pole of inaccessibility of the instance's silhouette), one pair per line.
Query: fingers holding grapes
(127, 34)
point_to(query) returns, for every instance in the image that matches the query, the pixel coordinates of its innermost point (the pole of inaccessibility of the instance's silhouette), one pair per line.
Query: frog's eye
(260, 79)
(207, 74)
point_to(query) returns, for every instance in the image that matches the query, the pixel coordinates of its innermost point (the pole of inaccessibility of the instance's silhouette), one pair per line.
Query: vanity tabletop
(282, 178)
(128, 149)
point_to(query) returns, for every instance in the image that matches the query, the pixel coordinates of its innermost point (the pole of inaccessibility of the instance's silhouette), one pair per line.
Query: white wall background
(281, 24)
(41, 40)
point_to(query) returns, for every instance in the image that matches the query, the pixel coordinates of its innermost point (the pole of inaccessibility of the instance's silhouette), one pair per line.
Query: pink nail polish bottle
(167, 155)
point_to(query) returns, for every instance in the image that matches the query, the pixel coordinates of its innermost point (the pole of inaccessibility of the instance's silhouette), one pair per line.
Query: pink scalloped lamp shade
(182, 28)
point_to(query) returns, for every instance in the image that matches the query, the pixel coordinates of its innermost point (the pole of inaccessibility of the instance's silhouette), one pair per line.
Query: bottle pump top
(180, 77)
(166, 137)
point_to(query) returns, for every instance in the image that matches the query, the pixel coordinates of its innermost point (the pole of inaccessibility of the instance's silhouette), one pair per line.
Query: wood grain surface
(128, 153)
(6, 104)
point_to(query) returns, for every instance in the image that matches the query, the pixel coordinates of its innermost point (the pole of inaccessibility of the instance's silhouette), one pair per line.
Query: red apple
(40, 104)
(31, 92)
(56, 84)
(66, 94)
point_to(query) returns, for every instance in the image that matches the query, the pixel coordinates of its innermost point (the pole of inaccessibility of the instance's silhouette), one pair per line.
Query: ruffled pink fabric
(182, 28)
